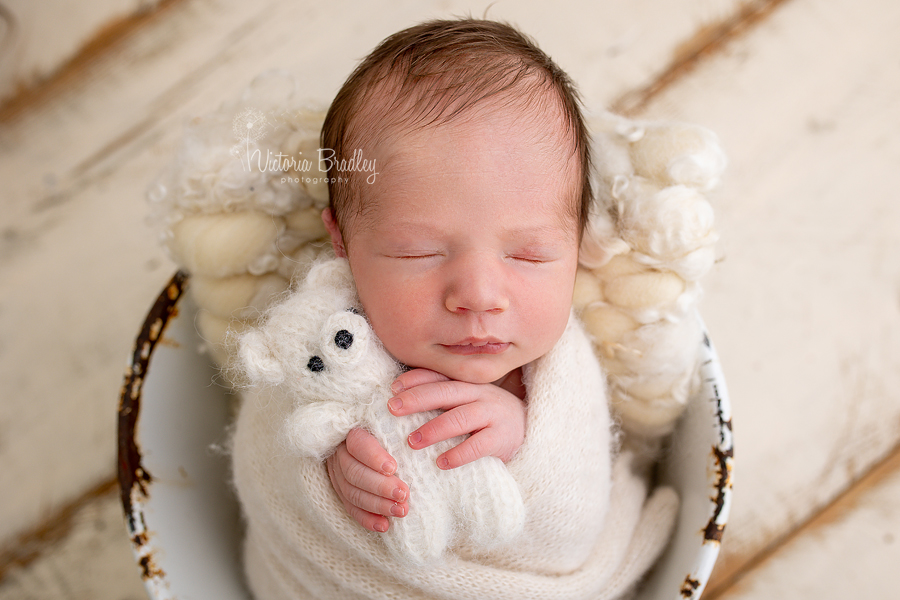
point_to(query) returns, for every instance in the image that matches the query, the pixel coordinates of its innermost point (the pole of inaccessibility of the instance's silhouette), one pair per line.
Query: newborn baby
(459, 248)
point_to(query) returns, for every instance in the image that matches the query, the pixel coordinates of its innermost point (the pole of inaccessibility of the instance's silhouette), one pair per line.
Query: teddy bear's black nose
(315, 364)
(343, 339)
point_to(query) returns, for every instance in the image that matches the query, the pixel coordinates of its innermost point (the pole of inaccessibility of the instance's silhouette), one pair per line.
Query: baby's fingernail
(414, 438)
(396, 387)
(397, 510)
(399, 495)
(395, 404)
(388, 467)
(443, 463)
(381, 527)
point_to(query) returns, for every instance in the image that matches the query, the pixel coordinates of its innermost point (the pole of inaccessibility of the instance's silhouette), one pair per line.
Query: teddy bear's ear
(333, 274)
(258, 361)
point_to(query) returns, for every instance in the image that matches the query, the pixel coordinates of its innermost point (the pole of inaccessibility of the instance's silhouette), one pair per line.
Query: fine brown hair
(429, 74)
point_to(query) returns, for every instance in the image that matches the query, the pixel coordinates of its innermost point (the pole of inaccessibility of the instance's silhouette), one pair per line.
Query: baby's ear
(258, 361)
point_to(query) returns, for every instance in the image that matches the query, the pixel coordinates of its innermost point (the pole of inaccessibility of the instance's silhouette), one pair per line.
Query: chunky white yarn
(587, 532)
(650, 240)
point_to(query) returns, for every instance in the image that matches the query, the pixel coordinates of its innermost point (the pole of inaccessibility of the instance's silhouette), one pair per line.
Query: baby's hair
(433, 72)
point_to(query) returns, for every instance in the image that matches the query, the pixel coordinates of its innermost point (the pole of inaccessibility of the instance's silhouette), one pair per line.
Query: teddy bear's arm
(316, 429)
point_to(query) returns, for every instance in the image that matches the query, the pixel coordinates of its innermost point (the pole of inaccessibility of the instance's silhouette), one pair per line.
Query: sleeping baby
(425, 415)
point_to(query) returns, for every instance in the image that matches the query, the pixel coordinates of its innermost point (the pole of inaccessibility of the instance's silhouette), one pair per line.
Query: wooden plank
(78, 266)
(94, 560)
(33, 47)
(804, 305)
(850, 550)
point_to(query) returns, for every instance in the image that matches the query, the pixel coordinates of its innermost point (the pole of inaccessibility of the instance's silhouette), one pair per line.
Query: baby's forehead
(410, 172)
(399, 145)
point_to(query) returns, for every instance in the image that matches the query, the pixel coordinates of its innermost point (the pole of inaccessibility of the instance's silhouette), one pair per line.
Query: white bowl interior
(185, 521)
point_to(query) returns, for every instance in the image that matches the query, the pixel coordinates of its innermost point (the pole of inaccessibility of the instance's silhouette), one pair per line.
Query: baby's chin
(475, 371)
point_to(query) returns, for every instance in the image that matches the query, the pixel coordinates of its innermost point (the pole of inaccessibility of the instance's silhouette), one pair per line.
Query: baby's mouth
(476, 346)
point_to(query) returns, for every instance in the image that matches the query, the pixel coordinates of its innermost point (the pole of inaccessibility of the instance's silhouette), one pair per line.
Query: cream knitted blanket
(590, 530)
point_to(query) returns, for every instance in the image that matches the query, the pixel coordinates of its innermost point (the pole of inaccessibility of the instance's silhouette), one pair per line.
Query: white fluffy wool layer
(226, 206)
(558, 521)
(649, 241)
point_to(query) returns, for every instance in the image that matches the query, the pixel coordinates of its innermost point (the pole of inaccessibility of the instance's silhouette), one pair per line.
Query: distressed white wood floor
(804, 308)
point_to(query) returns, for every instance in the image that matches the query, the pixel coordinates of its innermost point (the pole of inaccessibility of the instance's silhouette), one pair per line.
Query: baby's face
(465, 257)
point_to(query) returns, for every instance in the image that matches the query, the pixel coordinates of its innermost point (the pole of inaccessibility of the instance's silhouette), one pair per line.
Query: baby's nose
(478, 286)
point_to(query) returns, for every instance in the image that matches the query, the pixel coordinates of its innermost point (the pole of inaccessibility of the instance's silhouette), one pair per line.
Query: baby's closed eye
(535, 256)
(417, 255)
(529, 259)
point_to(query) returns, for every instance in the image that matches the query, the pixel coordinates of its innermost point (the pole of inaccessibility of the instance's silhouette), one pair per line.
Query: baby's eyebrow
(399, 226)
(561, 230)
(537, 231)
(528, 231)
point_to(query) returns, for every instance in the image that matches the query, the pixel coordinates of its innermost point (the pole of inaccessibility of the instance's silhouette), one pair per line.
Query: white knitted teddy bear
(317, 369)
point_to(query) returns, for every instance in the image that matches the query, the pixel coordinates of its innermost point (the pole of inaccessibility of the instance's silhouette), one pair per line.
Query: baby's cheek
(548, 318)
(398, 323)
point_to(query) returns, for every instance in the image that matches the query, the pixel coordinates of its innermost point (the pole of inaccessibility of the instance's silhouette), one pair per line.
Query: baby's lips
(467, 349)
(476, 341)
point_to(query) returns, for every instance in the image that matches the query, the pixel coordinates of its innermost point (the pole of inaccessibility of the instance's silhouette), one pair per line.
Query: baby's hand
(494, 417)
(362, 473)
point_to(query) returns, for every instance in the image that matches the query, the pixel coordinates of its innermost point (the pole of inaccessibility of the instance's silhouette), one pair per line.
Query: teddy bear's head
(316, 344)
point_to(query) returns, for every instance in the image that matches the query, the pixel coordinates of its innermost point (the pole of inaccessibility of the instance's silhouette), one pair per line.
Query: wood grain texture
(94, 561)
(37, 39)
(805, 305)
(849, 550)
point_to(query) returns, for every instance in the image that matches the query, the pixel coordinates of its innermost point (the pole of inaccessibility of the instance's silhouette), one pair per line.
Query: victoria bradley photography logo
(251, 125)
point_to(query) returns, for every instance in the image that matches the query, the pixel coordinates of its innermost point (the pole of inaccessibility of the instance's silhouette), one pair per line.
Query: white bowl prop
(184, 520)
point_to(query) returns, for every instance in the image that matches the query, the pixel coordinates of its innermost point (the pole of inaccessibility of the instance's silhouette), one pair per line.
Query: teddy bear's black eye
(315, 364)
(343, 339)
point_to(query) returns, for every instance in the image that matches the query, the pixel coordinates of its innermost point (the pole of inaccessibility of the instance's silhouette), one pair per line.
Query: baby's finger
(415, 377)
(368, 520)
(438, 395)
(363, 446)
(363, 478)
(469, 450)
(375, 505)
(459, 421)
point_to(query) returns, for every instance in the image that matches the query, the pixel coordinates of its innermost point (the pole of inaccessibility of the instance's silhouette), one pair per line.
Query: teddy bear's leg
(491, 504)
(424, 534)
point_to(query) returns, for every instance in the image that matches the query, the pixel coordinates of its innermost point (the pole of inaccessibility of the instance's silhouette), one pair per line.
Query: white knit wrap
(558, 521)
